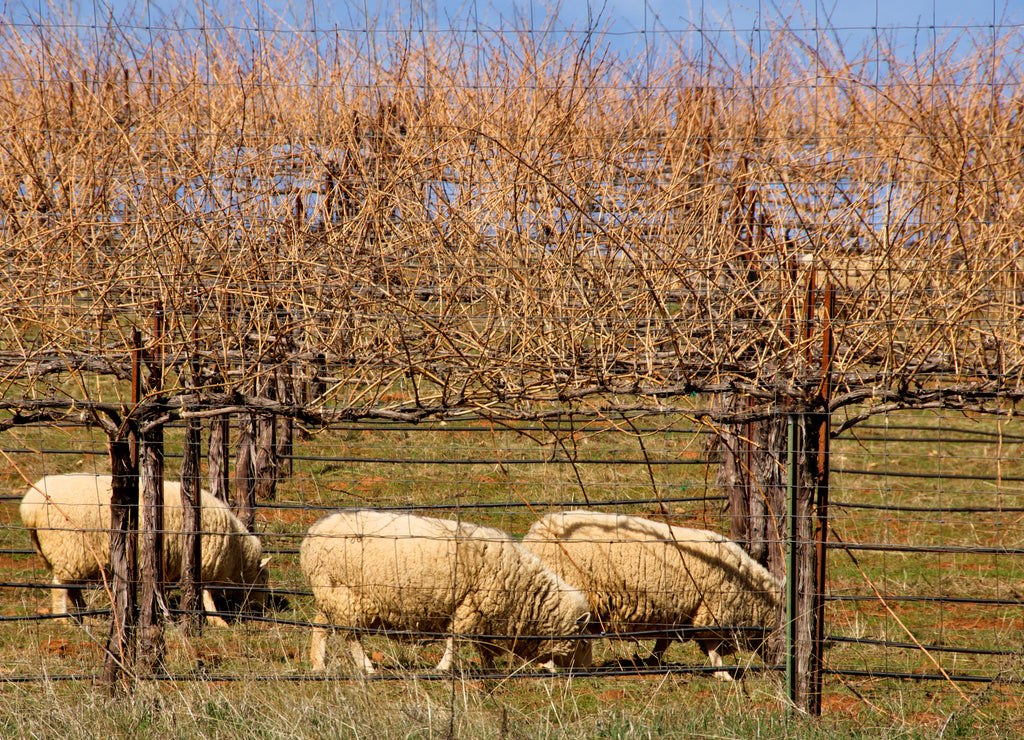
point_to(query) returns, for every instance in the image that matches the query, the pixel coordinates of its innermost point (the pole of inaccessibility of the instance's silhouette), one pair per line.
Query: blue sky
(624, 15)
(678, 14)
(632, 24)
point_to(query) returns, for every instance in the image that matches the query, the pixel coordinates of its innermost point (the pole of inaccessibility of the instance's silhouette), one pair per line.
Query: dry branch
(535, 235)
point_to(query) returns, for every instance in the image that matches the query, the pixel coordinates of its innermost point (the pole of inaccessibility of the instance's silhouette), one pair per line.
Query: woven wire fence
(925, 562)
(491, 274)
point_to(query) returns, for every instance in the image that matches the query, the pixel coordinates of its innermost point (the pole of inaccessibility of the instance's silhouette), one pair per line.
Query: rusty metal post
(824, 423)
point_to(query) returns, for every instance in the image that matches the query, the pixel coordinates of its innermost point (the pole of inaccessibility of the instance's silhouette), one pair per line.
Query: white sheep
(380, 570)
(68, 519)
(645, 576)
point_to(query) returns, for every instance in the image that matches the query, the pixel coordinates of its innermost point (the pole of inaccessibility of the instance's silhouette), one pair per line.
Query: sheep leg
(448, 659)
(487, 655)
(75, 594)
(716, 660)
(210, 608)
(318, 643)
(548, 666)
(363, 662)
(59, 601)
(660, 648)
(464, 622)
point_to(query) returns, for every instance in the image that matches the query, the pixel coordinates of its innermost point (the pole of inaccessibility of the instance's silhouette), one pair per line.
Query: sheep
(394, 571)
(645, 576)
(68, 520)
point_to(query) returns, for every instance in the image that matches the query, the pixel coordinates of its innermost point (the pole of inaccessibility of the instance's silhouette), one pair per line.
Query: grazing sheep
(645, 576)
(68, 519)
(380, 570)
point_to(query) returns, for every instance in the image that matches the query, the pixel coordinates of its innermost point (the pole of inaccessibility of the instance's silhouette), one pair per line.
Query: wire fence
(490, 275)
(907, 537)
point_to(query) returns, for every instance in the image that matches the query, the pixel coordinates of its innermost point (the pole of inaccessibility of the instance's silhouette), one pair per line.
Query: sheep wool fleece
(68, 518)
(646, 576)
(382, 570)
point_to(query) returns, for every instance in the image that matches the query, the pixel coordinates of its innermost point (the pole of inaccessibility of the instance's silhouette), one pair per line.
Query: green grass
(222, 697)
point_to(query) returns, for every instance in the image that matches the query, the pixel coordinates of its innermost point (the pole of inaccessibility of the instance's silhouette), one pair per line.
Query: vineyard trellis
(447, 229)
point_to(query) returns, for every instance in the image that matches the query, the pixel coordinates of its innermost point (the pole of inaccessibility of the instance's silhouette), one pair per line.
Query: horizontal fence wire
(486, 272)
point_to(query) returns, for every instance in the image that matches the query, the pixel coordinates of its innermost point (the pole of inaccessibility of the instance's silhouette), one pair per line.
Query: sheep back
(68, 518)
(642, 575)
(64, 516)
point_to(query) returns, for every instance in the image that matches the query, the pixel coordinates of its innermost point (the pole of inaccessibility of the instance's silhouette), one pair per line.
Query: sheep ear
(265, 561)
(583, 621)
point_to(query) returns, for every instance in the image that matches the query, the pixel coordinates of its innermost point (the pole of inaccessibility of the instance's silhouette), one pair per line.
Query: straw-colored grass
(464, 237)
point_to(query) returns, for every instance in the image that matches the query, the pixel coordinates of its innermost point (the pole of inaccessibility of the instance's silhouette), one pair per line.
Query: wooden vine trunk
(218, 457)
(774, 473)
(752, 474)
(152, 604)
(245, 501)
(285, 427)
(265, 463)
(191, 552)
(119, 657)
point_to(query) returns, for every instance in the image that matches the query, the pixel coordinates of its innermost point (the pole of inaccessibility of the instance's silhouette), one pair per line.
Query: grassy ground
(414, 708)
(252, 679)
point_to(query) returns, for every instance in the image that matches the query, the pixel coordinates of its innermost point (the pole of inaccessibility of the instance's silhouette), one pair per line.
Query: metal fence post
(792, 586)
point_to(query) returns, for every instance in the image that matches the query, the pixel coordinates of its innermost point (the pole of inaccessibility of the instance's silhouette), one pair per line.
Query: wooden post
(801, 560)
(807, 522)
(245, 503)
(191, 527)
(265, 464)
(119, 657)
(191, 543)
(793, 560)
(151, 552)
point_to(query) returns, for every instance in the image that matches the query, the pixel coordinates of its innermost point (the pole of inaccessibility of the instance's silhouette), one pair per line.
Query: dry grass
(466, 230)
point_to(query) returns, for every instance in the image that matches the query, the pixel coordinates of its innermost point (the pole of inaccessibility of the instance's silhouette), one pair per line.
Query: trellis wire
(687, 223)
